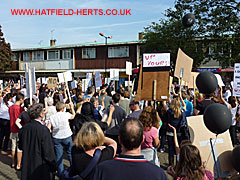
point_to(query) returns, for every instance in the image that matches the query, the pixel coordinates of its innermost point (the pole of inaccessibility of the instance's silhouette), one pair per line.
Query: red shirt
(14, 112)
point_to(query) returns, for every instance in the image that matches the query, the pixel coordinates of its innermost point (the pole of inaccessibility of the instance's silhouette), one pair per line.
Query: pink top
(149, 138)
(207, 176)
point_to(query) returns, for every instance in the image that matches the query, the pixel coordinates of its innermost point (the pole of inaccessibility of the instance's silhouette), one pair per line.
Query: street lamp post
(106, 53)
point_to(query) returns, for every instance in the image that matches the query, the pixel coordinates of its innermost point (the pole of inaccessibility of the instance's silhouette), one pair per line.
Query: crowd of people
(105, 133)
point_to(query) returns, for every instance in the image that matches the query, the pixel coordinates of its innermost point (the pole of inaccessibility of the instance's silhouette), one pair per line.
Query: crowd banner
(60, 77)
(185, 63)
(236, 80)
(220, 81)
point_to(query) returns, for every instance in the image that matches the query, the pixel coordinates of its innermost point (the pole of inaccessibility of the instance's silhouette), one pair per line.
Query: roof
(87, 44)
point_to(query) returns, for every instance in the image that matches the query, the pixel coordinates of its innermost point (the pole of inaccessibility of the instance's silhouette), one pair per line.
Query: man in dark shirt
(202, 105)
(119, 113)
(130, 164)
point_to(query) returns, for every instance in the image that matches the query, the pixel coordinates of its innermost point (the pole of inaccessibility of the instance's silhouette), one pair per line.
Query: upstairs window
(121, 51)
(88, 53)
(52, 55)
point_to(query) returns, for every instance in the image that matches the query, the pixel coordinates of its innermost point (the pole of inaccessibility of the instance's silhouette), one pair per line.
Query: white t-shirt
(233, 112)
(60, 124)
(4, 114)
(227, 94)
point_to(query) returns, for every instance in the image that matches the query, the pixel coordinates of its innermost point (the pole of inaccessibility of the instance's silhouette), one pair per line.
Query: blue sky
(28, 31)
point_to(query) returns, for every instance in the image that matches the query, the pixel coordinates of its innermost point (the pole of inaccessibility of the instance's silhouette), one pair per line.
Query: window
(122, 51)
(15, 57)
(26, 56)
(66, 54)
(52, 55)
(38, 55)
(88, 53)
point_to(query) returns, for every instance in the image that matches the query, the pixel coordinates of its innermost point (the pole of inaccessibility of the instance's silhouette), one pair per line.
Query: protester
(175, 117)
(39, 161)
(124, 102)
(136, 110)
(151, 139)
(88, 140)
(107, 99)
(233, 107)
(98, 109)
(62, 134)
(24, 117)
(119, 113)
(87, 115)
(190, 165)
(5, 122)
(14, 112)
(202, 105)
(163, 129)
(130, 164)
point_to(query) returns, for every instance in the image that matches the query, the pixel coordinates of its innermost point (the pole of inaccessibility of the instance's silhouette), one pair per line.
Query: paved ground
(8, 173)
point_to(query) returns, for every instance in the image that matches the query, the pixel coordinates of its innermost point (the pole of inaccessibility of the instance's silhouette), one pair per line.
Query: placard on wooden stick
(52, 82)
(183, 62)
(145, 86)
(222, 145)
(192, 82)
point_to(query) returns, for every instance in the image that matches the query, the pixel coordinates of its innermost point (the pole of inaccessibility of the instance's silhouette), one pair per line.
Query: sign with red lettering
(156, 59)
(236, 80)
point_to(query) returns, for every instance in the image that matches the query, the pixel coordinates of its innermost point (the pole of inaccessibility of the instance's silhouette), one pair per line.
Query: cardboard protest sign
(236, 80)
(114, 74)
(184, 63)
(192, 82)
(156, 59)
(222, 145)
(219, 79)
(146, 86)
(128, 68)
(170, 83)
(52, 82)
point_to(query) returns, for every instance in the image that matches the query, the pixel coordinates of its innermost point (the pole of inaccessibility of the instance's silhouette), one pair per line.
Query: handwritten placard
(236, 80)
(156, 59)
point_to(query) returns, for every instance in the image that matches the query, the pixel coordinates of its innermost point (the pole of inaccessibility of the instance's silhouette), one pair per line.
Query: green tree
(5, 53)
(214, 35)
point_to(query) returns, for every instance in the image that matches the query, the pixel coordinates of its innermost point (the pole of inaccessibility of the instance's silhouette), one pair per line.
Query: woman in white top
(232, 106)
(62, 134)
(5, 121)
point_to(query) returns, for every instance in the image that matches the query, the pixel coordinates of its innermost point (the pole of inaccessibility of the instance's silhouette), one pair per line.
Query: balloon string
(211, 150)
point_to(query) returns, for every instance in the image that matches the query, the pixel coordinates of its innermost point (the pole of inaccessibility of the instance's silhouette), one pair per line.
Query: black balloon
(236, 158)
(206, 82)
(217, 118)
(188, 20)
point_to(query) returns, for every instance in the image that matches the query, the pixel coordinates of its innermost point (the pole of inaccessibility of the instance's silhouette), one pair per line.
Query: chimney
(52, 42)
(140, 36)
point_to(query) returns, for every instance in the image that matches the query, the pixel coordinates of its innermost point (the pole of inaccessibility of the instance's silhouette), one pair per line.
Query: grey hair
(35, 110)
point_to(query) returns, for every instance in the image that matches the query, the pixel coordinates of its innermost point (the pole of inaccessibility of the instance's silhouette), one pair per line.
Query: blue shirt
(189, 108)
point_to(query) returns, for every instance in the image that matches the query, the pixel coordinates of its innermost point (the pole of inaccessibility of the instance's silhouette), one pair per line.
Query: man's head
(121, 92)
(36, 111)
(20, 98)
(131, 133)
(60, 106)
(116, 98)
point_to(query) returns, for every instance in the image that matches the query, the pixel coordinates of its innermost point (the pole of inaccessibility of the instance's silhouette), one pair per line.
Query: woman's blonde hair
(176, 107)
(89, 136)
